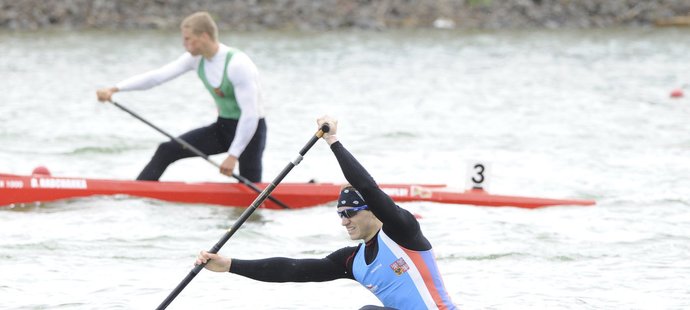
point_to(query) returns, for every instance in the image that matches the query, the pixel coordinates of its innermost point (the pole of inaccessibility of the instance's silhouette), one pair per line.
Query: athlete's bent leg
(166, 154)
(204, 139)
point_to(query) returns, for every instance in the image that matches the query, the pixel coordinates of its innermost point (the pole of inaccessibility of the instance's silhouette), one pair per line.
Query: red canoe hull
(16, 189)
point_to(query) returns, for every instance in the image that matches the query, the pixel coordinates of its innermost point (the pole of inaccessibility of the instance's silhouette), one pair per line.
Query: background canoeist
(395, 262)
(232, 79)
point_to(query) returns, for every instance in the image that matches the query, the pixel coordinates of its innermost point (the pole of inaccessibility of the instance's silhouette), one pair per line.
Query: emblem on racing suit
(219, 92)
(400, 266)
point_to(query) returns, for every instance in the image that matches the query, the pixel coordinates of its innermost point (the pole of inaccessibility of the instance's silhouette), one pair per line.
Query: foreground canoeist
(395, 262)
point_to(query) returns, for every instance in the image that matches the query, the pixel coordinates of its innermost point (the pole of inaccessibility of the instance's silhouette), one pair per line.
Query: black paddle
(245, 215)
(199, 153)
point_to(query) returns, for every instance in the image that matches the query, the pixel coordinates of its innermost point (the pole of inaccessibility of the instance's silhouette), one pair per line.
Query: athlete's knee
(167, 148)
(168, 152)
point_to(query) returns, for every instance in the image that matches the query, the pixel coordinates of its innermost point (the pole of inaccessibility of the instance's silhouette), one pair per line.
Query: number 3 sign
(478, 175)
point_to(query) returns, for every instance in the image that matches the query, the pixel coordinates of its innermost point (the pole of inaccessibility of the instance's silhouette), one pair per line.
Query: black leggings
(210, 140)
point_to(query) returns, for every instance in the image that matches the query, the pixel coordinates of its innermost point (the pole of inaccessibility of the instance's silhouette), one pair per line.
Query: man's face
(360, 226)
(192, 43)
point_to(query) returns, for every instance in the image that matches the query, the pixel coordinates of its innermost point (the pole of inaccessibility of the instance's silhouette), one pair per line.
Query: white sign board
(478, 175)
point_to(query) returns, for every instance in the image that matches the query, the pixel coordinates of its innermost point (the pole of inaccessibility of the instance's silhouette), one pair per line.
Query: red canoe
(18, 189)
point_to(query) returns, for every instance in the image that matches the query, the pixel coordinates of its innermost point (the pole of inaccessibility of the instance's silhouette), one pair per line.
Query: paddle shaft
(245, 215)
(199, 153)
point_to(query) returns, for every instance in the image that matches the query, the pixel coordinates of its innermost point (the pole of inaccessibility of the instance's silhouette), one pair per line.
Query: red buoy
(677, 93)
(41, 170)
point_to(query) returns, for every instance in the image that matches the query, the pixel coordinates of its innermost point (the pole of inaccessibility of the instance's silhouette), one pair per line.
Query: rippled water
(582, 114)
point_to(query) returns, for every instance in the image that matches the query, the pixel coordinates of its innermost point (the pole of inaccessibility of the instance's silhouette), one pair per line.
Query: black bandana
(349, 197)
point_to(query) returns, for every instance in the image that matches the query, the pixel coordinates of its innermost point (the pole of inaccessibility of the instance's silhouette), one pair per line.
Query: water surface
(561, 114)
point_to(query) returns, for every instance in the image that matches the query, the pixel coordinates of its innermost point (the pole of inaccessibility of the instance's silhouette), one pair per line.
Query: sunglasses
(348, 213)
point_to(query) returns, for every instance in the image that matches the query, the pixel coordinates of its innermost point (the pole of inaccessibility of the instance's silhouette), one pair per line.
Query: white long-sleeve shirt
(241, 71)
